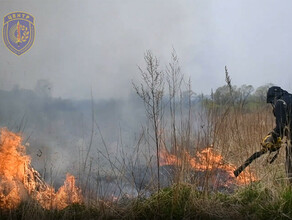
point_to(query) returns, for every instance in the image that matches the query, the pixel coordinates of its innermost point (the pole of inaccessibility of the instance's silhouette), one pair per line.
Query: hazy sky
(81, 45)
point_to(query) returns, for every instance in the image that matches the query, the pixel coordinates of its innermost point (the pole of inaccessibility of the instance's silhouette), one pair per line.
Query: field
(268, 196)
(181, 167)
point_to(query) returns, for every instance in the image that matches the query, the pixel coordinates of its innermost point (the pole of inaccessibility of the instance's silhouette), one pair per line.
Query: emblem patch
(18, 32)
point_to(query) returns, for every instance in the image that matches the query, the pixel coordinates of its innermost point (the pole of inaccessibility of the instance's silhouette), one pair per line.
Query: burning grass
(24, 195)
(259, 193)
(208, 161)
(20, 182)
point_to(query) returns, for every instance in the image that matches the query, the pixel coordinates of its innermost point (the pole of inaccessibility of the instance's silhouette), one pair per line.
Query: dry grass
(236, 133)
(233, 130)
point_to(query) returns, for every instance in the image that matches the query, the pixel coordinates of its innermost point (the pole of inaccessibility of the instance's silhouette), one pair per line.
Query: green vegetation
(180, 201)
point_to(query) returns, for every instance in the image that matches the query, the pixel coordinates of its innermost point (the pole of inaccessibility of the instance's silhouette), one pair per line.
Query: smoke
(59, 130)
(95, 45)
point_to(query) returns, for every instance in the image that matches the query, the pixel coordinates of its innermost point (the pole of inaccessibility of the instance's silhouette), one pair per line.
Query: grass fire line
(19, 181)
(208, 160)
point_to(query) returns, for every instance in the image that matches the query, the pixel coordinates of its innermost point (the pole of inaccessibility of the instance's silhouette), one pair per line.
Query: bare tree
(174, 80)
(151, 92)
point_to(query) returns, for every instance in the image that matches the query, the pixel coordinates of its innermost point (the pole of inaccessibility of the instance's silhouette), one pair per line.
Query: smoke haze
(84, 45)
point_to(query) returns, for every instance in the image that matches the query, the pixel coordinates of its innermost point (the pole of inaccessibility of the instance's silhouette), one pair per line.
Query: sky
(98, 45)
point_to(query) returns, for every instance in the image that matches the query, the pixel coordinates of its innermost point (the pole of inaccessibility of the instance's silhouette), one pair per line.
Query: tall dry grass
(233, 130)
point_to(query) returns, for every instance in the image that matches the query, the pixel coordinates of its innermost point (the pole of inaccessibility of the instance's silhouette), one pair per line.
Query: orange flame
(206, 160)
(18, 180)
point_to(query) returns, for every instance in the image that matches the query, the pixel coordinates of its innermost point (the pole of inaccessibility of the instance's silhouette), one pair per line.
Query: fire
(165, 158)
(19, 181)
(68, 193)
(206, 160)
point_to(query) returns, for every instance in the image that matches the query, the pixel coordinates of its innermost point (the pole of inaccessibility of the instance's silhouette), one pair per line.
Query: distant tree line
(245, 96)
